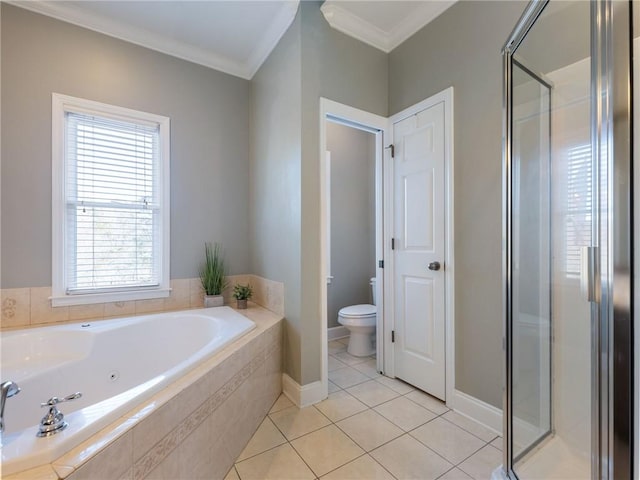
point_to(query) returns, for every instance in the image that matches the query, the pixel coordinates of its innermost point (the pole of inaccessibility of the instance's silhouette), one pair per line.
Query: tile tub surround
(25, 307)
(196, 427)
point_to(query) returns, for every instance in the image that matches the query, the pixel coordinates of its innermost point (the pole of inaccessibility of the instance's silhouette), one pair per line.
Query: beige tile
(41, 310)
(180, 297)
(481, 464)
(455, 474)
(275, 464)
(340, 405)
(295, 422)
(497, 443)
(113, 462)
(119, 309)
(396, 385)
(344, 340)
(44, 472)
(148, 431)
(281, 403)
(16, 307)
(448, 440)
(202, 454)
(232, 475)
(86, 312)
(326, 449)
(405, 413)
(266, 437)
(149, 306)
(334, 363)
(196, 293)
(336, 346)
(372, 393)
(349, 359)
(167, 469)
(369, 368)
(427, 401)
(407, 458)
(332, 387)
(347, 377)
(369, 429)
(364, 467)
(471, 426)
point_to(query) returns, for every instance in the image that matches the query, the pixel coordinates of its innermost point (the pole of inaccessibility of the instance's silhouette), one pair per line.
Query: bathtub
(116, 364)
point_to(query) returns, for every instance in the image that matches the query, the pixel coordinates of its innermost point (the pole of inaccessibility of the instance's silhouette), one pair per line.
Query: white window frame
(60, 105)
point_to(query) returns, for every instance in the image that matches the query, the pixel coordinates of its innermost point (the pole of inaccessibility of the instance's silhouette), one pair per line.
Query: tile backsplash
(23, 307)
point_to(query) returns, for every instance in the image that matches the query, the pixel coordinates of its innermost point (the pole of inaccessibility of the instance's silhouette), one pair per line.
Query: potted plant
(212, 275)
(242, 293)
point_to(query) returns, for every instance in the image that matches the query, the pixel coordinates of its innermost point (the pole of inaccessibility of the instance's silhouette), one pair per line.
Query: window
(110, 203)
(578, 207)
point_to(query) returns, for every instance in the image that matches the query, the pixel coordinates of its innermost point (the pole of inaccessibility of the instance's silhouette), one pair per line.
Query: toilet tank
(372, 282)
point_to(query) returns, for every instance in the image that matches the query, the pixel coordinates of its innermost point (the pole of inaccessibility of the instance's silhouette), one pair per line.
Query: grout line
(372, 408)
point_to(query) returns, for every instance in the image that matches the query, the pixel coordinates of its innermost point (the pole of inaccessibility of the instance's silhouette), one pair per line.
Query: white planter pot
(213, 301)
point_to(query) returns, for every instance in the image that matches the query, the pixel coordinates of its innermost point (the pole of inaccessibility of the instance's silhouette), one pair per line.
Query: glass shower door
(549, 238)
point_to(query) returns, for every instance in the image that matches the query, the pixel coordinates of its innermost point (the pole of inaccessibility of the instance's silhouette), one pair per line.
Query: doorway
(427, 120)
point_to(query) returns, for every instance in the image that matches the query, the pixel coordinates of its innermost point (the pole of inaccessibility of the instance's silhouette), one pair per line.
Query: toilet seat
(358, 311)
(358, 316)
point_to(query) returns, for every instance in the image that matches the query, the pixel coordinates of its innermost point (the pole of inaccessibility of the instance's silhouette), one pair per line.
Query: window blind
(113, 238)
(578, 207)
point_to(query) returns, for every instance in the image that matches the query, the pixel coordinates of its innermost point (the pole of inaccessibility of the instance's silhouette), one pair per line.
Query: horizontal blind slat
(112, 201)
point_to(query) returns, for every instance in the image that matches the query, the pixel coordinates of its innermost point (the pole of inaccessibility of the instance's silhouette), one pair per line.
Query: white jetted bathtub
(115, 364)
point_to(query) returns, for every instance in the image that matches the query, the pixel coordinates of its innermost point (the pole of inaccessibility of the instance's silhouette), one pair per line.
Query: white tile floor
(370, 427)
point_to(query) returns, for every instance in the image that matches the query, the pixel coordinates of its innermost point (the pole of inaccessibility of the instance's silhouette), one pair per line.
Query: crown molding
(279, 25)
(243, 69)
(354, 26)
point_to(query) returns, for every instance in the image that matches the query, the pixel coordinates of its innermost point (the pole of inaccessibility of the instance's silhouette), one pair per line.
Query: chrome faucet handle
(55, 400)
(53, 422)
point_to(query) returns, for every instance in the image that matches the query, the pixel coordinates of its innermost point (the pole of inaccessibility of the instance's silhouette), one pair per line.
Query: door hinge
(380, 263)
(393, 244)
(393, 336)
(393, 150)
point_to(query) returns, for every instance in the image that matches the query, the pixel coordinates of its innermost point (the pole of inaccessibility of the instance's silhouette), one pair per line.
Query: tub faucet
(9, 389)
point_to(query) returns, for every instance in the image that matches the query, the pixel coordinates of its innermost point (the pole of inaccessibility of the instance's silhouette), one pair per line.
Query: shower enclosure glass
(556, 189)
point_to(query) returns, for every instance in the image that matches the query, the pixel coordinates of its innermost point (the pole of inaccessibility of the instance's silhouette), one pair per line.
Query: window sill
(90, 298)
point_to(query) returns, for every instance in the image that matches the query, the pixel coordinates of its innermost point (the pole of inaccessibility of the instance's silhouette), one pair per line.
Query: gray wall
(209, 114)
(310, 61)
(461, 48)
(275, 213)
(343, 69)
(353, 217)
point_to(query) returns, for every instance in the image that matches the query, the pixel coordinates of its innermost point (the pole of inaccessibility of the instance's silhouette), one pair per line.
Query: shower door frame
(612, 274)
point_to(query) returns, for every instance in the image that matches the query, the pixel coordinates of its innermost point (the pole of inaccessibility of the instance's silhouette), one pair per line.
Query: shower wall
(352, 217)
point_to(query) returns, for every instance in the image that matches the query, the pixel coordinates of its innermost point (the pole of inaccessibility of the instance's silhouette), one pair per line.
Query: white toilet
(360, 320)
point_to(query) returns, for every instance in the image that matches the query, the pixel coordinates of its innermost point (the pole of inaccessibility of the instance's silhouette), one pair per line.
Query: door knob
(434, 266)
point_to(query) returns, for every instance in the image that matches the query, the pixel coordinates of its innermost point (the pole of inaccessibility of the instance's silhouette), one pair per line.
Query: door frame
(378, 125)
(446, 97)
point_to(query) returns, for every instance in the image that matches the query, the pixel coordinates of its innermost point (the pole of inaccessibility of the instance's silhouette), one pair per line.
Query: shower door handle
(589, 273)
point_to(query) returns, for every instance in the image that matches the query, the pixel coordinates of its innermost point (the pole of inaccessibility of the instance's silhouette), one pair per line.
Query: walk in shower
(567, 242)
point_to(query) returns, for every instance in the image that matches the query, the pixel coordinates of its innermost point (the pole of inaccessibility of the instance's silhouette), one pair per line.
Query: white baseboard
(303, 395)
(488, 415)
(334, 333)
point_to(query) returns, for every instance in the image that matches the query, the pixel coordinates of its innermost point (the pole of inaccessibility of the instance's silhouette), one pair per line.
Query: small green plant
(242, 292)
(212, 273)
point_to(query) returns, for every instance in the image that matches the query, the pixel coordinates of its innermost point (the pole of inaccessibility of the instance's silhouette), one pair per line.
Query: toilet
(360, 320)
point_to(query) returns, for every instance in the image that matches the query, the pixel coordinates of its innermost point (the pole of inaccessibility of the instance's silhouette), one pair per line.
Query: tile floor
(370, 427)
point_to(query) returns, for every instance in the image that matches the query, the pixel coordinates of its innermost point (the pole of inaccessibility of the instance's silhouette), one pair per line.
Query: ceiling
(236, 36)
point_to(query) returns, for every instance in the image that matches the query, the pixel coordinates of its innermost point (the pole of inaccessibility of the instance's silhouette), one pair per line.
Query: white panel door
(419, 238)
